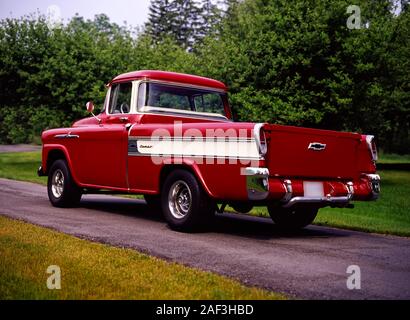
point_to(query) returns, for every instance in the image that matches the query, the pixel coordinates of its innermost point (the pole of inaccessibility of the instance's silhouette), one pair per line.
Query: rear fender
(186, 164)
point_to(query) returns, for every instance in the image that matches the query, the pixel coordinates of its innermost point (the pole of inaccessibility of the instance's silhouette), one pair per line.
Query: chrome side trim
(174, 155)
(257, 183)
(67, 136)
(369, 141)
(191, 138)
(198, 147)
(262, 145)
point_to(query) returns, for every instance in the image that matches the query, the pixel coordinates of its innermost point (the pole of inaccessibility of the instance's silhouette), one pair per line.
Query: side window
(120, 99)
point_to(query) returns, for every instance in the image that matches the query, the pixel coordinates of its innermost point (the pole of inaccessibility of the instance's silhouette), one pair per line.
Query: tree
(160, 20)
(187, 22)
(297, 63)
(285, 62)
(47, 83)
(211, 17)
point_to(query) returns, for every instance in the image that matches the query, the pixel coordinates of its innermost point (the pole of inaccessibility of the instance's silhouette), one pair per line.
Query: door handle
(124, 119)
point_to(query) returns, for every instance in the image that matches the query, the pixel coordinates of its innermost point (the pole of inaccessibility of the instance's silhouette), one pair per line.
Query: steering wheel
(124, 108)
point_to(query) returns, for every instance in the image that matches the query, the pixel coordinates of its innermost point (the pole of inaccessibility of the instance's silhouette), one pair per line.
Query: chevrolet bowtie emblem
(317, 146)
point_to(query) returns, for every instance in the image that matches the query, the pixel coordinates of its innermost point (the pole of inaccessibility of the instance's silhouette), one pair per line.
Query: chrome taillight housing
(371, 144)
(260, 138)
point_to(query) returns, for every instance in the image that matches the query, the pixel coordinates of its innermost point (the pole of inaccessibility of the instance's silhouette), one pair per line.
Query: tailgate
(312, 153)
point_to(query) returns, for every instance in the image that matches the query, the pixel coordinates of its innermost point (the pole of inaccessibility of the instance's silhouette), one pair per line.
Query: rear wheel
(292, 218)
(185, 205)
(61, 188)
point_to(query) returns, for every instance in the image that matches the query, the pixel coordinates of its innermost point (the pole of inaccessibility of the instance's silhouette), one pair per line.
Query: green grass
(21, 166)
(96, 271)
(394, 158)
(390, 214)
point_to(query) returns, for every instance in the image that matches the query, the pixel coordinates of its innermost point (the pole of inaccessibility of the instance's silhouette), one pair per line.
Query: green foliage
(47, 75)
(296, 62)
(288, 62)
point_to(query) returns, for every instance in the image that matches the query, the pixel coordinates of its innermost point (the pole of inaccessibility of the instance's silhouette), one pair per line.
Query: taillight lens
(372, 147)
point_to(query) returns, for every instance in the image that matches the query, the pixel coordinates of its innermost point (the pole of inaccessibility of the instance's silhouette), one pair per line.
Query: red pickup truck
(171, 138)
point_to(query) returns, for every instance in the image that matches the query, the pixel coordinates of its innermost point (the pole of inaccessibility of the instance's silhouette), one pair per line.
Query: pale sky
(135, 12)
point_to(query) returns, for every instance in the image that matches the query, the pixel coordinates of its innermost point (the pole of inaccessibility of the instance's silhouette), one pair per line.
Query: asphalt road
(308, 264)
(18, 148)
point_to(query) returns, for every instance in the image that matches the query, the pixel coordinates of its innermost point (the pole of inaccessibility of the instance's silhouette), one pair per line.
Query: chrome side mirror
(90, 108)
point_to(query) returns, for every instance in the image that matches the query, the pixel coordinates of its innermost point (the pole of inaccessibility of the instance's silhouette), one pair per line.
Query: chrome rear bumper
(344, 201)
(257, 184)
(320, 201)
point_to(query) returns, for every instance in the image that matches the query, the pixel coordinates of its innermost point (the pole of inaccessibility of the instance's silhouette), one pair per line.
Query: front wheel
(292, 218)
(61, 188)
(186, 206)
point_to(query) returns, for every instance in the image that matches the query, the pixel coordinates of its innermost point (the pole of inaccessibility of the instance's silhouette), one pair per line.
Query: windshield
(163, 97)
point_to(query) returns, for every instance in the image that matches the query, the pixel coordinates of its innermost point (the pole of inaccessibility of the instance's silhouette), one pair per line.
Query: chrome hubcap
(179, 199)
(57, 183)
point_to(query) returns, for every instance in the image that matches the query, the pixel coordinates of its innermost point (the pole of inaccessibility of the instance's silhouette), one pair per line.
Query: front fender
(47, 149)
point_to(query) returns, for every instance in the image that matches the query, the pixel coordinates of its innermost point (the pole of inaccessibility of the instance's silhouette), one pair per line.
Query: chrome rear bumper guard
(374, 184)
(257, 182)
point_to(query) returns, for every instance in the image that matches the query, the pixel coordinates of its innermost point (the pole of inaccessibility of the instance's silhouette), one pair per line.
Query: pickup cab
(171, 137)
